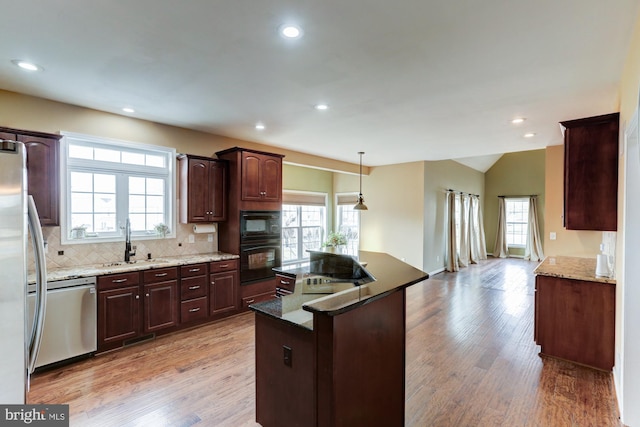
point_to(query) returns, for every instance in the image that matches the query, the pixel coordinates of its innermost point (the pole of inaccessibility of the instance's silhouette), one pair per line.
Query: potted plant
(335, 239)
(162, 229)
(79, 232)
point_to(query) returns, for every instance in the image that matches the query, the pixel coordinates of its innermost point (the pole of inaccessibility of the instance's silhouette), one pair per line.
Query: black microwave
(260, 224)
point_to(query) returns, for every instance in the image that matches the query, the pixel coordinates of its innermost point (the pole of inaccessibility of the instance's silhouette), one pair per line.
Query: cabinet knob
(137, 296)
(251, 301)
(147, 295)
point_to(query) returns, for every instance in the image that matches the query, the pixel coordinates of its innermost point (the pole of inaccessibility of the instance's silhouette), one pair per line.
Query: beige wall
(394, 221)
(568, 242)
(514, 174)
(37, 114)
(438, 177)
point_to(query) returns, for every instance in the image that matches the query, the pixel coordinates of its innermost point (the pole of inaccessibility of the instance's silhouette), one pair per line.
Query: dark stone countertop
(328, 295)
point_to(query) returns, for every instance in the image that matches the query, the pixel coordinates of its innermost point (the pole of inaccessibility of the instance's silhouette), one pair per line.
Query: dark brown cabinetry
(203, 184)
(223, 288)
(285, 285)
(261, 177)
(160, 299)
(42, 170)
(257, 292)
(194, 295)
(591, 173)
(118, 309)
(575, 320)
(135, 304)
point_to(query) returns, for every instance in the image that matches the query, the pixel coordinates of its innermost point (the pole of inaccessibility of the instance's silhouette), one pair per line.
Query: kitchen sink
(141, 261)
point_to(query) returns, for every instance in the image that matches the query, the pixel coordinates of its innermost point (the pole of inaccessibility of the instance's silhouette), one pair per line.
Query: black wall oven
(260, 245)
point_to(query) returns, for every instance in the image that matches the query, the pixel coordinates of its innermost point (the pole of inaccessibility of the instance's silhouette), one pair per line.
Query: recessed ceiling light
(260, 126)
(518, 120)
(25, 65)
(128, 110)
(529, 135)
(321, 107)
(289, 31)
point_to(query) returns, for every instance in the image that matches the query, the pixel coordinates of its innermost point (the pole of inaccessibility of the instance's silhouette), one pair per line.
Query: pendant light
(360, 206)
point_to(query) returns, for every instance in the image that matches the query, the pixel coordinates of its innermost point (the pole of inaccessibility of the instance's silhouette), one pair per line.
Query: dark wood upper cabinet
(203, 188)
(591, 173)
(42, 171)
(261, 177)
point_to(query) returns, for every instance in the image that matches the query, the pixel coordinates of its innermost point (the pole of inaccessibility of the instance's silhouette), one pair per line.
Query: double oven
(260, 245)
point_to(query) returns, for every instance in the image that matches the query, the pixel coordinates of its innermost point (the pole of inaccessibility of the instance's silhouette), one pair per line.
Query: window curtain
(477, 243)
(452, 243)
(533, 249)
(500, 249)
(464, 250)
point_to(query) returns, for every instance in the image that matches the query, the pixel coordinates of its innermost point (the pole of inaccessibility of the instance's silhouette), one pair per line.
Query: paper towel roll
(602, 267)
(204, 228)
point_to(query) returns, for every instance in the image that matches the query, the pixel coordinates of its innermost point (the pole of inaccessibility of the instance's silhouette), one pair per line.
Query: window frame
(525, 201)
(304, 198)
(346, 196)
(122, 171)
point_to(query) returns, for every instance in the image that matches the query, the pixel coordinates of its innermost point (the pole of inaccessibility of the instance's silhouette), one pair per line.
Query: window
(108, 181)
(517, 221)
(304, 223)
(348, 221)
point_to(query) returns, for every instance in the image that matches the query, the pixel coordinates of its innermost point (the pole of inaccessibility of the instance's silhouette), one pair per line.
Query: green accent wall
(300, 178)
(514, 174)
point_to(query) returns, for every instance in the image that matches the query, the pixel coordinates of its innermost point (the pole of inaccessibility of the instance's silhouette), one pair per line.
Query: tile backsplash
(100, 253)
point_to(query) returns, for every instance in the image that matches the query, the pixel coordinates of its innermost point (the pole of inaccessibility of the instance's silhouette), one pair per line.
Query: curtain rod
(454, 191)
(519, 197)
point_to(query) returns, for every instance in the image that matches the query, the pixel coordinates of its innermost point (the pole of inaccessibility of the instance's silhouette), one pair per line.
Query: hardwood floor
(471, 361)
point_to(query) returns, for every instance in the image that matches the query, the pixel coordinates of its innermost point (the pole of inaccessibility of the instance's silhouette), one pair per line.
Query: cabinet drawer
(285, 282)
(160, 275)
(193, 270)
(112, 281)
(247, 301)
(227, 265)
(194, 309)
(193, 287)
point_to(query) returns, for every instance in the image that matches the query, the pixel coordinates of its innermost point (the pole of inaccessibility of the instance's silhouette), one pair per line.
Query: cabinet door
(591, 173)
(223, 294)
(42, 176)
(198, 191)
(160, 305)
(271, 177)
(251, 165)
(118, 314)
(217, 190)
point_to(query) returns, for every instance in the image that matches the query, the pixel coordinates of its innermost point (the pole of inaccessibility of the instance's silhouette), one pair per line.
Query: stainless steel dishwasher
(70, 320)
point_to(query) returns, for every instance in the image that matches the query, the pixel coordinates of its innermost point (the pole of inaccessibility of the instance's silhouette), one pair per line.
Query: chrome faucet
(128, 253)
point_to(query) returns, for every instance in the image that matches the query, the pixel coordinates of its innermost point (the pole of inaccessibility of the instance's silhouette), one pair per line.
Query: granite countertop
(54, 275)
(333, 297)
(571, 268)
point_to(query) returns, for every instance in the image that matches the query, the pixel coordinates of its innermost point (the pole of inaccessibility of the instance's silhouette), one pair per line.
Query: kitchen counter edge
(567, 267)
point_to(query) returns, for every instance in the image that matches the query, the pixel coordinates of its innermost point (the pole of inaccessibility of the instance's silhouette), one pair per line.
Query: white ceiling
(406, 80)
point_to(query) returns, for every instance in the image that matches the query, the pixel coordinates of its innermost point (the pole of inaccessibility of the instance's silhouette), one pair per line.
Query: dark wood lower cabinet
(223, 293)
(119, 316)
(160, 306)
(575, 320)
(348, 371)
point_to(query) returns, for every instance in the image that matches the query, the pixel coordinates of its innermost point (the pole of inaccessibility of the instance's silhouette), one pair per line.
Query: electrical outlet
(438, 258)
(288, 355)
(552, 235)
(192, 238)
(209, 238)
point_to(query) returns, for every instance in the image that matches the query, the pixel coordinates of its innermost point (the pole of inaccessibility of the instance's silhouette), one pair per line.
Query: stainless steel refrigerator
(18, 216)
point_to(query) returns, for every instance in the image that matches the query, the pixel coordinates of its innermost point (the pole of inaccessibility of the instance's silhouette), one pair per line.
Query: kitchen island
(332, 353)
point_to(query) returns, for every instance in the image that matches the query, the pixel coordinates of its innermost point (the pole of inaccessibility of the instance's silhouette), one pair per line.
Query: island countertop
(567, 267)
(331, 297)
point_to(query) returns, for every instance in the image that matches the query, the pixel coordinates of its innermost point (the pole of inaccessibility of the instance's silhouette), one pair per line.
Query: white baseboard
(432, 273)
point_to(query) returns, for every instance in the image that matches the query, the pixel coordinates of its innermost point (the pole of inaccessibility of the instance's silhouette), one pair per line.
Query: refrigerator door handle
(35, 336)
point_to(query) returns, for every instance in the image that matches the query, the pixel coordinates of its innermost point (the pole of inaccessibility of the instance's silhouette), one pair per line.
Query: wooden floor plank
(471, 361)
